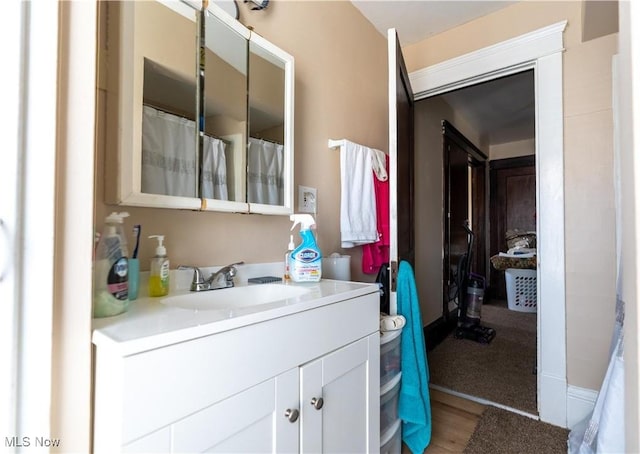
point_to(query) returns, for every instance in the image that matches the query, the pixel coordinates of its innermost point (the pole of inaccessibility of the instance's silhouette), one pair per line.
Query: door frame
(540, 50)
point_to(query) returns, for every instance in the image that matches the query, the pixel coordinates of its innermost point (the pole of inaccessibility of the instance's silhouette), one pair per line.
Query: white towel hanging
(378, 158)
(358, 223)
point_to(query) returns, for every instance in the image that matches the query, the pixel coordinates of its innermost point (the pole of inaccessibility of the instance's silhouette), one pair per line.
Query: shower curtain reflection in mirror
(169, 161)
(214, 169)
(265, 172)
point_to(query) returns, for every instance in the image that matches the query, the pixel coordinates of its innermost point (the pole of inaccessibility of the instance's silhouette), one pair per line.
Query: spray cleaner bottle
(111, 269)
(305, 261)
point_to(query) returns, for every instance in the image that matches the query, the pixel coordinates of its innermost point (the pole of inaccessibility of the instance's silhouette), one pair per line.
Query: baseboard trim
(482, 401)
(552, 398)
(436, 331)
(580, 403)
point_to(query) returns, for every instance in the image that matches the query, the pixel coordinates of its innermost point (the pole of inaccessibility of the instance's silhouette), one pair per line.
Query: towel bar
(336, 143)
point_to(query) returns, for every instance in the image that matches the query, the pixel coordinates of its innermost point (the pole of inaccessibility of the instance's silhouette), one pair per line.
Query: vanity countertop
(150, 324)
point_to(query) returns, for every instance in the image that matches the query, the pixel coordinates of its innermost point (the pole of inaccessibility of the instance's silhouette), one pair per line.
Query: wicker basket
(522, 289)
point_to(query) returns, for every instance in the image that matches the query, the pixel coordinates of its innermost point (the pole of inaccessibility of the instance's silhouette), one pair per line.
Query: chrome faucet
(223, 278)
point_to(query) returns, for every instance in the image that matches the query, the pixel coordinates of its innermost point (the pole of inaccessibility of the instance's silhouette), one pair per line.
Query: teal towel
(414, 406)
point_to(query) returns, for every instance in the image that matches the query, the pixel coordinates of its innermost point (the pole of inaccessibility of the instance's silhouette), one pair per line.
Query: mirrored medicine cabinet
(199, 110)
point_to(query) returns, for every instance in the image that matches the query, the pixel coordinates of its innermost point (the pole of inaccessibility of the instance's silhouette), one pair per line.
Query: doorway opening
(494, 126)
(540, 50)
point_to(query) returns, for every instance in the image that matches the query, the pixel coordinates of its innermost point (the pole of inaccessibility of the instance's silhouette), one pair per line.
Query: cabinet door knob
(317, 402)
(291, 414)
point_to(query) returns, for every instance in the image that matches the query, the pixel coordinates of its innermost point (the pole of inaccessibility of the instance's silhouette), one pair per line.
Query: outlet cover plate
(307, 199)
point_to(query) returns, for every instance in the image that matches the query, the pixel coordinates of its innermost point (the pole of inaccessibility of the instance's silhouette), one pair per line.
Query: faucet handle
(232, 268)
(229, 271)
(197, 274)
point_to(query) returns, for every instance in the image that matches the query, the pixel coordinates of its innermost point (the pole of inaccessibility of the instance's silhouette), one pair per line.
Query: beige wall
(589, 209)
(599, 18)
(429, 114)
(340, 92)
(512, 149)
(589, 215)
(504, 24)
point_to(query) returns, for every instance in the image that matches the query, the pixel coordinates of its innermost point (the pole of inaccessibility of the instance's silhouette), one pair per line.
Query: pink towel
(375, 254)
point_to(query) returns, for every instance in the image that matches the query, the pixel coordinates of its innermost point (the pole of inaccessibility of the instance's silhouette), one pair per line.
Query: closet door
(400, 164)
(456, 209)
(513, 206)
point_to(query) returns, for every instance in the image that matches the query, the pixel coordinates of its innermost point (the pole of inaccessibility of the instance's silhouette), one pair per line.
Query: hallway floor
(503, 372)
(462, 426)
(453, 422)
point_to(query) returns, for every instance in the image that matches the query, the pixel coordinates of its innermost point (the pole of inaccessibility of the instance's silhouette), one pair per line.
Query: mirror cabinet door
(149, 82)
(270, 146)
(223, 88)
(169, 154)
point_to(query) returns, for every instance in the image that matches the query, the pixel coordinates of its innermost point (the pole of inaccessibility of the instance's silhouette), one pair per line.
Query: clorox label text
(307, 255)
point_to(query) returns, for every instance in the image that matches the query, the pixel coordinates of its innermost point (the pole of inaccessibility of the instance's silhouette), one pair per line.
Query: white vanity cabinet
(335, 394)
(304, 382)
(258, 419)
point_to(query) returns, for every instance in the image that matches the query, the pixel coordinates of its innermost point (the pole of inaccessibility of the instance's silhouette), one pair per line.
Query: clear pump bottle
(159, 270)
(287, 277)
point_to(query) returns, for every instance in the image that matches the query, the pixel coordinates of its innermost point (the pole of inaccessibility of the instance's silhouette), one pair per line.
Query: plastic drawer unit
(389, 356)
(389, 403)
(391, 440)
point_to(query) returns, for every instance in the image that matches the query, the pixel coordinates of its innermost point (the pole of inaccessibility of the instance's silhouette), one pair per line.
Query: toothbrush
(136, 234)
(96, 240)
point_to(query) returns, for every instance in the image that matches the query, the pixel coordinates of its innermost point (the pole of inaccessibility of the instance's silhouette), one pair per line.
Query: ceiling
(501, 110)
(416, 20)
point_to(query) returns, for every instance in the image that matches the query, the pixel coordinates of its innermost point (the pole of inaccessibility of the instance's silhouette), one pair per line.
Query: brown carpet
(501, 372)
(500, 431)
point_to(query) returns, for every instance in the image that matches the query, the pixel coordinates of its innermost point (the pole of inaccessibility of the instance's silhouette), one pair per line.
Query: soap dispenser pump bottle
(111, 269)
(290, 247)
(159, 270)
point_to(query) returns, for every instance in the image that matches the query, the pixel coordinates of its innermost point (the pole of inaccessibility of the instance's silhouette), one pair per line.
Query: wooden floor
(453, 421)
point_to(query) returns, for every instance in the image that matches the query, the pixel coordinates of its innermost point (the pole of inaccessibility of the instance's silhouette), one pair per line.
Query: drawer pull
(291, 415)
(317, 402)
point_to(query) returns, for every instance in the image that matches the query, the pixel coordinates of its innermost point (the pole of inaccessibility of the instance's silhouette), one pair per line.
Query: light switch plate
(307, 199)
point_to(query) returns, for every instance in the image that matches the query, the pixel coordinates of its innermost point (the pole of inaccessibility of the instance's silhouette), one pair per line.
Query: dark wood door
(464, 201)
(405, 143)
(479, 217)
(401, 141)
(456, 206)
(513, 206)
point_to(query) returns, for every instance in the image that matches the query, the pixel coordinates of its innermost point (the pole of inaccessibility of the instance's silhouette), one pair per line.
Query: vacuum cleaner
(470, 297)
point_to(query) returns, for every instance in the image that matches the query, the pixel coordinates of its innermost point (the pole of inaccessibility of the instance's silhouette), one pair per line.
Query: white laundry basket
(522, 289)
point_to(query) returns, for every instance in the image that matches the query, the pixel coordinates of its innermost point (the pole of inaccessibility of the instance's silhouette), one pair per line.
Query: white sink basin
(234, 297)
